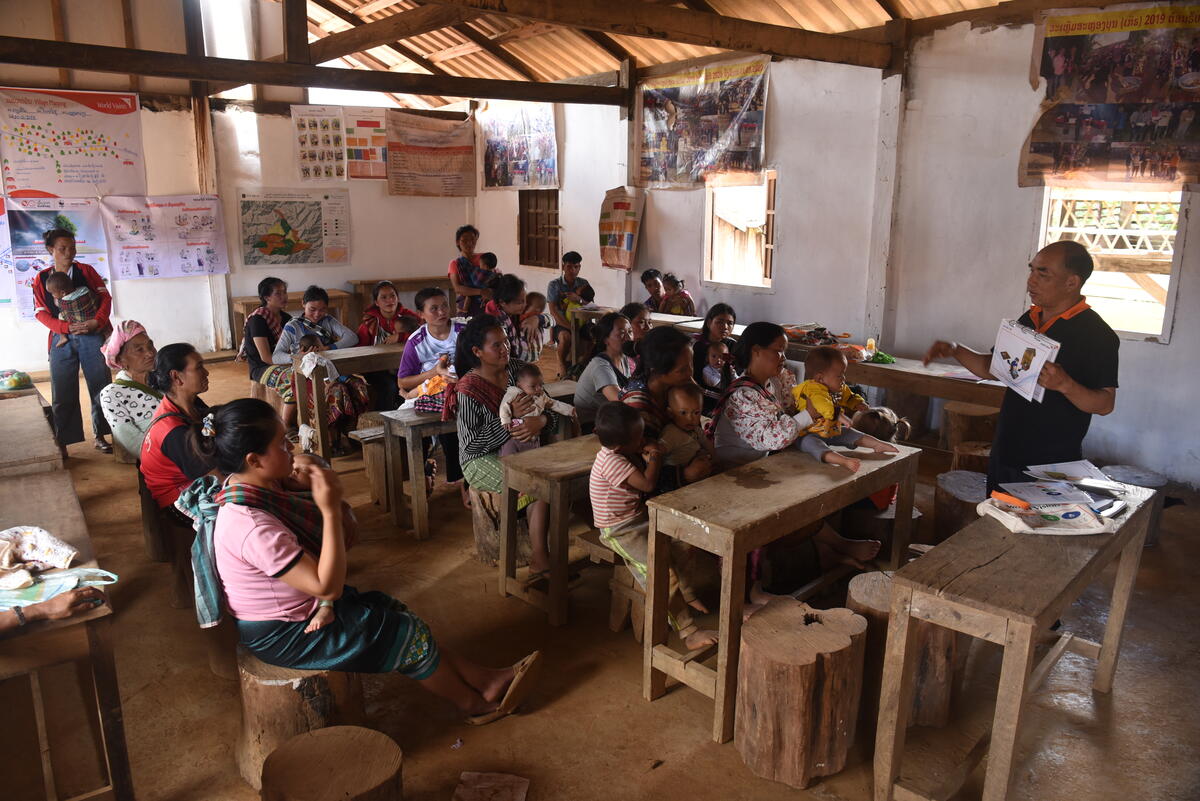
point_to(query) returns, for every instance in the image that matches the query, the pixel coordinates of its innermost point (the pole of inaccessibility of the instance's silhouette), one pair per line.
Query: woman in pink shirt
(281, 561)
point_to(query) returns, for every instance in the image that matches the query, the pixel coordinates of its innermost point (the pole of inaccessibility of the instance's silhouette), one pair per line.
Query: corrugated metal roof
(553, 53)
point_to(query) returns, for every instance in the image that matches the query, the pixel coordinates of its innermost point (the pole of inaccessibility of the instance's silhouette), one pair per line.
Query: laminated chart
(320, 144)
(430, 157)
(30, 218)
(366, 141)
(294, 226)
(165, 237)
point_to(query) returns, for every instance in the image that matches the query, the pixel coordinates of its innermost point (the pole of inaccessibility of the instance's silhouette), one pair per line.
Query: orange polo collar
(1035, 315)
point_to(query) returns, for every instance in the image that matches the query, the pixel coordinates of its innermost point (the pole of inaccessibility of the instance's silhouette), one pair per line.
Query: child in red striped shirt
(626, 467)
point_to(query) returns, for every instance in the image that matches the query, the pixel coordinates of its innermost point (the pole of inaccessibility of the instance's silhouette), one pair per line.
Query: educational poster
(294, 226)
(430, 157)
(366, 141)
(320, 145)
(165, 237)
(1018, 357)
(707, 119)
(8, 284)
(64, 143)
(620, 222)
(1122, 96)
(30, 218)
(520, 150)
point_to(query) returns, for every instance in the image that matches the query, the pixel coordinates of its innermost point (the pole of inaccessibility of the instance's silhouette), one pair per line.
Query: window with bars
(1131, 236)
(739, 245)
(537, 227)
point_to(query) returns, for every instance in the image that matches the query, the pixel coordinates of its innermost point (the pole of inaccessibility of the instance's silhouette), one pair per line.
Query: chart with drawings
(165, 237)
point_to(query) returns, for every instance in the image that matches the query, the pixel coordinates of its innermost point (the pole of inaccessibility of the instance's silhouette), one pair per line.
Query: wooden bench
(556, 474)
(404, 431)
(29, 445)
(340, 306)
(730, 515)
(1006, 588)
(374, 461)
(361, 288)
(264, 393)
(628, 602)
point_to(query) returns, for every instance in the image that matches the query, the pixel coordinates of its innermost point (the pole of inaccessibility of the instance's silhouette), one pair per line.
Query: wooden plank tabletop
(567, 459)
(791, 481)
(1026, 577)
(362, 359)
(410, 418)
(48, 500)
(28, 440)
(658, 319)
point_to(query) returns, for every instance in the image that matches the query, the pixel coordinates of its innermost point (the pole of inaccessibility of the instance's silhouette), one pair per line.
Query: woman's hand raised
(326, 490)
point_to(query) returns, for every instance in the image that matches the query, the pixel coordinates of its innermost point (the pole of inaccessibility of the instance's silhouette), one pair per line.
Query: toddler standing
(529, 382)
(827, 398)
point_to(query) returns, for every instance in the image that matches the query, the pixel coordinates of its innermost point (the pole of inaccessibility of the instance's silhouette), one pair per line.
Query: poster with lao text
(28, 221)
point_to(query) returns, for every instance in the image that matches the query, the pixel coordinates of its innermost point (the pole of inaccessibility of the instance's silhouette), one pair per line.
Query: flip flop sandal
(525, 674)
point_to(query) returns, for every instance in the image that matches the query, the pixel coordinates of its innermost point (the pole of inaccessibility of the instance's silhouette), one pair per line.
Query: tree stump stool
(972, 455)
(968, 422)
(178, 537)
(940, 656)
(1141, 477)
(799, 682)
(339, 763)
(157, 548)
(280, 703)
(958, 493)
(485, 523)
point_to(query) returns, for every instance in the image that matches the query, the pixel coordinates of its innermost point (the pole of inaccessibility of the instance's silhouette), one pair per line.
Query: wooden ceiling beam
(607, 44)
(689, 27)
(367, 9)
(398, 26)
(399, 47)
(295, 32)
(158, 64)
(495, 51)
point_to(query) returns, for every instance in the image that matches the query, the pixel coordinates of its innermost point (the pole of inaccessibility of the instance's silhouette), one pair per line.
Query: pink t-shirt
(613, 501)
(253, 547)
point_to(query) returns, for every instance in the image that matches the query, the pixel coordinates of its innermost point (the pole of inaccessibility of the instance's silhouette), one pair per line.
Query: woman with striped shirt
(481, 359)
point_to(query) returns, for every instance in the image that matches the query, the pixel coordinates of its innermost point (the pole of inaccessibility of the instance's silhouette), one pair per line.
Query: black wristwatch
(21, 621)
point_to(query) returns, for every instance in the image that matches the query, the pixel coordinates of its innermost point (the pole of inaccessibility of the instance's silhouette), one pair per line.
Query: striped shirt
(613, 501)
(480, 431)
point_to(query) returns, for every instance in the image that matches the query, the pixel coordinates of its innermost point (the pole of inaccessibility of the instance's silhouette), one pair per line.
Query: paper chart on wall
(430, 157)
(63, 143)
(165, 237)
(319, 143)
(1018, 358)
(8, 283)
(520, 148)
(366, 141)
(294, 226)
(30, 218)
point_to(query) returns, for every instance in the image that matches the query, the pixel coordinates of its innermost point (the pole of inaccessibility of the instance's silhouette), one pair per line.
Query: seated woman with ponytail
(279, 558)
(167, 462)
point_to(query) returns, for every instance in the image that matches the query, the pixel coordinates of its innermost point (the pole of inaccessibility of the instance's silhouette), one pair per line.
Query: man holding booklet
(1082, 381)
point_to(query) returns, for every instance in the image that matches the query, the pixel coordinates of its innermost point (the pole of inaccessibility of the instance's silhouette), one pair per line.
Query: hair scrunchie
(208, 427)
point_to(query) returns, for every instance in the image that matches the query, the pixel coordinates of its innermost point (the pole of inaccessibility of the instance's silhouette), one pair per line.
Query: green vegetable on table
(882, 358)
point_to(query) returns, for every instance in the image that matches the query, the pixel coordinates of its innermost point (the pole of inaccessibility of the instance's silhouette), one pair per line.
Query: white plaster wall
(965, 234)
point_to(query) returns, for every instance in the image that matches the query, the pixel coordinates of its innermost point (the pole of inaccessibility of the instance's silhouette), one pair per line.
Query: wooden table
(556, 474)
(361, 289)
(341, 306)
(696, 326)
(1006, 588)
(731, 514)
(48, 500)
(347, 361)
(404, 430)
(29, 445)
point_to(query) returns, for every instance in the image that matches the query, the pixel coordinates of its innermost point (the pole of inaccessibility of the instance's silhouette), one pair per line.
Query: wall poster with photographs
(29, 218)
(1122, 97)
(320, 143)
(519, 146)
(703, 120)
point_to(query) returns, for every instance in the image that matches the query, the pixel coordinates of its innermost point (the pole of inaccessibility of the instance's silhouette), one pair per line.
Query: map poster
(520, 150)
(320, 144)
(1122, 98)
(294, 226)
(366, 141)
(620, 221)
(8, 284)
(703, 120)
(165, 237)
(30, 218)
(430, 157)
(65, 143)
(1018, 358)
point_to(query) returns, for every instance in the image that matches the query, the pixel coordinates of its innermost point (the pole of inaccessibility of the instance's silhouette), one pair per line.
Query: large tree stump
(279, 703)
(968, 422)
(958, 493)
(940, 655)
(485, 523)
(972, 455)
(339, 763)
(799, 682)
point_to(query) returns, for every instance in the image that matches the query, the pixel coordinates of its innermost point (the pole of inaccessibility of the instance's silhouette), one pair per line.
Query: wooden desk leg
(302, 392)
(320, 415)
(729, 645)
(559, 545)
(1010, 703)
(902, 525)
(393, 445)
(1127, 569)
(416, 483)
(654, 681)
(508, 537)
(896, 688)
(108, 702)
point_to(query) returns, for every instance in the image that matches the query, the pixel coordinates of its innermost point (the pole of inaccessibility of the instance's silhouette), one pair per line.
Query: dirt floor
(589, 734)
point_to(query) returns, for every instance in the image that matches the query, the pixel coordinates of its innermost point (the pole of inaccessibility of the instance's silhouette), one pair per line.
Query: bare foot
(497, 684)
(841, 460)
(698, 605)
(883, 447)
(466, 494)
(701, 638)
(855, 553)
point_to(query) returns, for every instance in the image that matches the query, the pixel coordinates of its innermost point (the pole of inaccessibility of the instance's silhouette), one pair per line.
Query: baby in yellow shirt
(827, 398)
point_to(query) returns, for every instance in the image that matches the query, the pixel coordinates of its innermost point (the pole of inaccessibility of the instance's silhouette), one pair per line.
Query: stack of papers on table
(1047, 493)
(1066, 471)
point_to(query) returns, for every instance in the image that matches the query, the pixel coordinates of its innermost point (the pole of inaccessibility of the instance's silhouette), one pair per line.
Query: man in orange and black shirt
(1080, 383)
